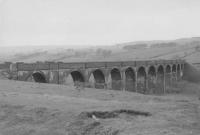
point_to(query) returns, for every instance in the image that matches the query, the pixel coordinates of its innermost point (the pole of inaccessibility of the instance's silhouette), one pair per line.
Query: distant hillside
(181, 41)
(186, 48)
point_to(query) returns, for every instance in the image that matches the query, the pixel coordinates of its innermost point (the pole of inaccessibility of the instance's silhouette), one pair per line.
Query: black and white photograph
(99, 67)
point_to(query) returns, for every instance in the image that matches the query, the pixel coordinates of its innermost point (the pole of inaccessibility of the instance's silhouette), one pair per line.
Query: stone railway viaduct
(147, 77)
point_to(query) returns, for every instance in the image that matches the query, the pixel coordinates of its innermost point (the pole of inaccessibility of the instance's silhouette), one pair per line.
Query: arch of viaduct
(137, 76)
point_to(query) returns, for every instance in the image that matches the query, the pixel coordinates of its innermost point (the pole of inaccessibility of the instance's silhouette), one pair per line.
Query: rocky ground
(45, 109)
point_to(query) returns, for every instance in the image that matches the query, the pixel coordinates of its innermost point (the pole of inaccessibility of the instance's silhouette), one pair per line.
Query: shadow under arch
(130, 79)
(38, 77)
(174, 75)
(151, 79)
(115, 79)
(168, 69)
(160, 80)
(178, 72)
(168, 74)
(173, 68)
(182, 65)
(141, 80)
(77, 77)
(97, 77)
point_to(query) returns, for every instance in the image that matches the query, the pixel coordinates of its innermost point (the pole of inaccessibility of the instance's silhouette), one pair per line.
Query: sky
(96, 22)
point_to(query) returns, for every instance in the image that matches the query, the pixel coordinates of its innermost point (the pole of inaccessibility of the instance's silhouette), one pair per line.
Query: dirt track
(43, 109)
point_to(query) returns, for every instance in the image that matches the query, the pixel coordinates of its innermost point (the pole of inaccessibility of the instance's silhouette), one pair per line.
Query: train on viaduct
(146, 77)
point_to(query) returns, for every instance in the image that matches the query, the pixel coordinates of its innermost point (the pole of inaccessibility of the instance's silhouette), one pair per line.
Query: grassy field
(46, 109)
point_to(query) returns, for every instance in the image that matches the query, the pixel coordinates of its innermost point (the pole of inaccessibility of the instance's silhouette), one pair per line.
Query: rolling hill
(186, 48)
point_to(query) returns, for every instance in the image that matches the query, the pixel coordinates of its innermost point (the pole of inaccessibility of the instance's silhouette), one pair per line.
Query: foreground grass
(42, 109)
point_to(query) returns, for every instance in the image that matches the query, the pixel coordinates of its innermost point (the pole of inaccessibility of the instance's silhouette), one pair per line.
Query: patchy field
(46, 109)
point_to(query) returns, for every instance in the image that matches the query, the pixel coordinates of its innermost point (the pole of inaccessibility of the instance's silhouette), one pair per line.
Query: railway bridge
(147, 77)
